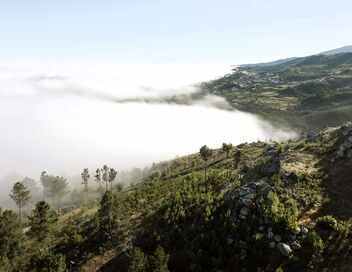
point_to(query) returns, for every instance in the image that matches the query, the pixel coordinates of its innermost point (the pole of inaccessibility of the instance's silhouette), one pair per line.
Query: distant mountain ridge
(344, 49)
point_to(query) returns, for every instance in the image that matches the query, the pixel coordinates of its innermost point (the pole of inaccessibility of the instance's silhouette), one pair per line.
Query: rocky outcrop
(245, 197)
(344, 150)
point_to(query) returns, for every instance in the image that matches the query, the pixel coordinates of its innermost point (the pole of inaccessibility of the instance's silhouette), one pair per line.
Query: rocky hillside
(264, 206)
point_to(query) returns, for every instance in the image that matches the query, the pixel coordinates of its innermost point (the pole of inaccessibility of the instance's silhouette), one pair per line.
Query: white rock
(297, 230)
(270, 235)
(285, 249)
(304, 230)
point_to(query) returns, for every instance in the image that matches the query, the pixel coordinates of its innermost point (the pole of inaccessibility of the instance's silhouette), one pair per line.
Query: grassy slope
(323, 188)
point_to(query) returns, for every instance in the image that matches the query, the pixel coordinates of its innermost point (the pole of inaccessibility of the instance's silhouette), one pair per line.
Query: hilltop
(263, 206)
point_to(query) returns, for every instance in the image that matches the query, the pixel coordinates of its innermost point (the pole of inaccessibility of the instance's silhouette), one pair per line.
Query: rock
(249, 196)
(297, 230)
(285, 249)
(252, 185)
(261, 228)
(229, 240)
(347, 144)
(272, 244)
(294, 243)
(277, 238)
(304, 230)
(244, 168)
(270, 235)
(301, 237)
(271, 167)
(265, 188)
(246, 202)
(291, 178)
(270, 229)
(243, 217)
(244, 211)
(293, 237)
(311, 137)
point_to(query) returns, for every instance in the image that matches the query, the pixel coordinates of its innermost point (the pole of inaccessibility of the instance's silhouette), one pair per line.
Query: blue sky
(228, 31)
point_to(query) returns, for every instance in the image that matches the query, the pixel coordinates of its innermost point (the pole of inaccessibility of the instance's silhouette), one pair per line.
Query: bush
(327, 222)
(138, 261)
(317, 248)
(159, 260)
(47, 262)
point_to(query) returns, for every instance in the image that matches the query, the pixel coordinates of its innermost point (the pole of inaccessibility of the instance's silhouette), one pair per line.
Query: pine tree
(85, 176)
(11, 240)
(112, 176)
(42, 221)
(107, 215)
(98, 179)
(21, 195)
(58, 187)
(205, 153)
(226, 148)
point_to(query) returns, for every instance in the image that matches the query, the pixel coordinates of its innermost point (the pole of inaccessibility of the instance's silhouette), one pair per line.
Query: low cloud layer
(64, 117)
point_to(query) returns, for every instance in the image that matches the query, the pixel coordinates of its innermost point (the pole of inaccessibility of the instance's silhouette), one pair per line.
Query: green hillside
(302, 93)
(262, 206)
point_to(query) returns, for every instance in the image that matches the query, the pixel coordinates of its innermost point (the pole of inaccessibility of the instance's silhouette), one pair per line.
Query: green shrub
(138, 261)
(47, 262)
(327, 222)
(159, 260)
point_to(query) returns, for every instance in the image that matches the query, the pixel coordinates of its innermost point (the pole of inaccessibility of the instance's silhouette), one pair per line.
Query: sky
(224, 31)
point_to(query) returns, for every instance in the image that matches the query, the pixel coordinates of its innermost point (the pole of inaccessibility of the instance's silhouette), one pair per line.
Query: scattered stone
(249, 196)
(294, 243)
(244, 211)
(272, 244)
(243, 217)
(304, 230)
(261, 228)
(277, 238)
(270, 229)
(246, 202)
(270, 235)
(297, 230)
(311, 137)
(285, 249)
(293, 237)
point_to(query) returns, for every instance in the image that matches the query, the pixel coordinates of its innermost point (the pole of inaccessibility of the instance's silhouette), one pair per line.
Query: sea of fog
(62, 117)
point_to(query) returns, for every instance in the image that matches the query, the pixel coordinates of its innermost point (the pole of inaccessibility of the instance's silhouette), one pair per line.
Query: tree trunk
(58, 204)
(19, 213)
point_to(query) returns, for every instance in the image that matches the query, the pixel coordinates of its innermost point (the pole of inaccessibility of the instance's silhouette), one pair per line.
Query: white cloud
(51, 119)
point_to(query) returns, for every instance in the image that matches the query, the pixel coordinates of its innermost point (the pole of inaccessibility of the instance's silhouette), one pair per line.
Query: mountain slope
(264, 206)
(303, 93)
